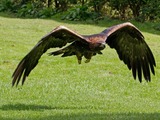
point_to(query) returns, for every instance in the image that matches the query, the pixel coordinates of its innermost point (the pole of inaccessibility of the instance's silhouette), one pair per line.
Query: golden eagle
(125, 38)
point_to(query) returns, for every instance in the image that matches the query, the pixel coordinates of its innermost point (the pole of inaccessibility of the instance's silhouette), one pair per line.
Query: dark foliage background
(140, 10)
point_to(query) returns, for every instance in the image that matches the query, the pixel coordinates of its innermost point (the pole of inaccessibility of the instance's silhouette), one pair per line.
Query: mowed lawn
(60, 89)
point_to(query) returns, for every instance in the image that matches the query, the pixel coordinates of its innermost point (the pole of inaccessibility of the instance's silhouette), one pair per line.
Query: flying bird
(125, 38)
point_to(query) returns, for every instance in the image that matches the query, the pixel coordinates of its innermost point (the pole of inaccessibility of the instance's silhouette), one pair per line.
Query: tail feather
(68, 51)
(58, 52)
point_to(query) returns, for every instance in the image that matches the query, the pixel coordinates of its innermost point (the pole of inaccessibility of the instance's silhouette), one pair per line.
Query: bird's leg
(79, 57)
(87, 60)
(79, 61)
(88, 56)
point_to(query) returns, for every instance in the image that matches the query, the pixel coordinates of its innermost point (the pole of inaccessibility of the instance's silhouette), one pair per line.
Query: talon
(79, 57)
(79, 61)
(87, 61)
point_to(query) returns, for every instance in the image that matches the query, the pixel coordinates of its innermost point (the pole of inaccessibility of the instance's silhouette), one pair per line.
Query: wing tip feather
(18, 73)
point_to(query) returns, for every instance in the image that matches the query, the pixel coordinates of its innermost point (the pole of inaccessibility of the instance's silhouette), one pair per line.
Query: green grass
(60, 89)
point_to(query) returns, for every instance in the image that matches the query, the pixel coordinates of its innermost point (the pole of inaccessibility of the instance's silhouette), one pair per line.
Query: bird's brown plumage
(125, 38)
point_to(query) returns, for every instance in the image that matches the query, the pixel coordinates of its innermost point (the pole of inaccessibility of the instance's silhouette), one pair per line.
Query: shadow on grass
(105, 116)
(89, 115)
(24, 107)
(32, 107)
(95, 116)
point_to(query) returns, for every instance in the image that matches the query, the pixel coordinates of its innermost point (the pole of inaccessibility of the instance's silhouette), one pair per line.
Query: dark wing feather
(132, 49)
(59, 37)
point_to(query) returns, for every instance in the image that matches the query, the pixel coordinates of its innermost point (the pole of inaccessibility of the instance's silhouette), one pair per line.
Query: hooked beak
(102, 46)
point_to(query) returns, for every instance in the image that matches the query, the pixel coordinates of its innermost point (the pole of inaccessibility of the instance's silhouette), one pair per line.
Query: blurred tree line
(140, 10)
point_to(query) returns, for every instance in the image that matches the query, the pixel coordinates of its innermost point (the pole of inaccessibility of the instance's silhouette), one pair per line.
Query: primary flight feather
(125, 38)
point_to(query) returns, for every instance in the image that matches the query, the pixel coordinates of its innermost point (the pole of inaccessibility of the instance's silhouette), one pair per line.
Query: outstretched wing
(132, 49)
(59, 37)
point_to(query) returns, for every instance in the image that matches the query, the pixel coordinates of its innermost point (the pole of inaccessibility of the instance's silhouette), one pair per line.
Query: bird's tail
(67, 51)
(58, 52)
